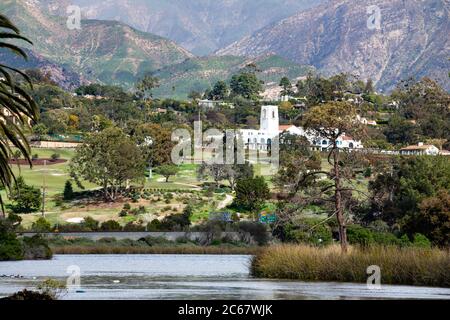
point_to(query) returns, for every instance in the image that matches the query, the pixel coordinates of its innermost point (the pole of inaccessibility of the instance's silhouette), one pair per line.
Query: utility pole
(43, 188)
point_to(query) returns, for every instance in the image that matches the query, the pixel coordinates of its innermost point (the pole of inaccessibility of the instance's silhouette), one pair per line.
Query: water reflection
(187, 277)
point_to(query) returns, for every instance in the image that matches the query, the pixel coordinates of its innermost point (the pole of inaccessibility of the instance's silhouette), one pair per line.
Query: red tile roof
(285, 127)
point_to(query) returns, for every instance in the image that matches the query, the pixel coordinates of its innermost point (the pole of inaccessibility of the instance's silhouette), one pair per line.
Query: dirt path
(227, 201)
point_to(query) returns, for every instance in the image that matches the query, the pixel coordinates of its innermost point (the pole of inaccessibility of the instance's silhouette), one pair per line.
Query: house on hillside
(420, 149)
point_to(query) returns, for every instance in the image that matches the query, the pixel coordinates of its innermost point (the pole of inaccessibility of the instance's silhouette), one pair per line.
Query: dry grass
(405, 266)
(100, 249)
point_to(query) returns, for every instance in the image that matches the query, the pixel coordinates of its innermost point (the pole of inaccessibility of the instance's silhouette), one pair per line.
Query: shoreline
(183, 250)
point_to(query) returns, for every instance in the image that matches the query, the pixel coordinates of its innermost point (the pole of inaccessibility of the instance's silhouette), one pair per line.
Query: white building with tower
(270, 128)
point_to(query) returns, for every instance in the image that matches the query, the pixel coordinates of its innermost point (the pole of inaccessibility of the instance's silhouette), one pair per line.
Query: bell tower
(269, 119)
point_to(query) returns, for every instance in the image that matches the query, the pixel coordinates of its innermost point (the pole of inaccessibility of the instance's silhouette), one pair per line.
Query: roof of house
(346, 138)
(285, 127)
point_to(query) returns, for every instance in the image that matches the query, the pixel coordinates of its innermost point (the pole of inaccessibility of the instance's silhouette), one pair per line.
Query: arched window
(264, 113)
(273, 114)
(324, 142)
(263, 141)
(350, 145)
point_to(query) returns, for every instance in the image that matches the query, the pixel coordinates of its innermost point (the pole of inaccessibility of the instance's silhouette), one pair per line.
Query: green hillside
(105, 51)
(198, 74)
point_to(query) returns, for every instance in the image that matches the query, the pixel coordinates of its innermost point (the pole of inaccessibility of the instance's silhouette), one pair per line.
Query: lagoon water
(186, 277)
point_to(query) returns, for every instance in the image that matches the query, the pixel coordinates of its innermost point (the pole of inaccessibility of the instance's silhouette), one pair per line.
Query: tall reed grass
(404, 266)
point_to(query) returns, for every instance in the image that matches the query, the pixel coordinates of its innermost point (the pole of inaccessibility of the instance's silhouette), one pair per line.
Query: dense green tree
(167, 171)
(400, 131)
(56, 121)
(251, 193)
(433, 219)
(10, 247)
(25, 198)
(406, 195)
(68, 193)
(428, 104)
(247, 85)
(50, 97)
(109, 159)
(220, 91)
(155, 142)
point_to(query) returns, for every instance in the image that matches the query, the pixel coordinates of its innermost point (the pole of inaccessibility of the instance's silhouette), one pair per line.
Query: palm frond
(16, 106)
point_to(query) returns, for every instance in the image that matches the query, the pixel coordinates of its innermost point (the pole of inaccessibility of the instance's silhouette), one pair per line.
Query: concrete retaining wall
(172, 236)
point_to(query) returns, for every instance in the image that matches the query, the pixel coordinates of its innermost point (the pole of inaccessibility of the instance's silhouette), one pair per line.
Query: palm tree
(16, 106)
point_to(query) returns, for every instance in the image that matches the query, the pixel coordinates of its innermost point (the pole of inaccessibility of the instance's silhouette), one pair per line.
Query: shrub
(126, 206)
(41, 225)
(10, 246)
(257, 230)
(319, 235)
(155, 225)
(404, 241)
(69, 227)
(110, 225)
(90, 224)
(135, 196)
(52, 288)
(421, 241)
(142, 210)
(151, 241)
(133, 227)
(55, 156)
(123, 213)
(28, 295)
(368, 172)
(359, 235)
(36, 248)
(107, 240)
(385, 238)
(175, 221)
(378, 226)
(35, 156)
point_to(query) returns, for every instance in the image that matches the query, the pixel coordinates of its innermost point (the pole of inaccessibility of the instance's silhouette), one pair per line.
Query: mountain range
(105, 51)
(329, 37)
(200, 26)
(340, 36)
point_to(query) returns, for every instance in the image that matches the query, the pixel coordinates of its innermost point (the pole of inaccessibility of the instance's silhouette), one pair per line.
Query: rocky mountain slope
(201, 26)
(413, 40)
(106, 51)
